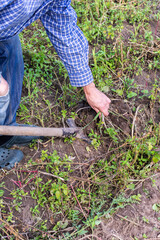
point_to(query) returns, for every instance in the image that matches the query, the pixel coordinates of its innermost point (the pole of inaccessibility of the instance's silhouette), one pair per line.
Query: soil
(138, 220)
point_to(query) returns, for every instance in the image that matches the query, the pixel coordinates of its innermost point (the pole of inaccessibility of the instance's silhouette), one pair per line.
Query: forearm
(69, 42)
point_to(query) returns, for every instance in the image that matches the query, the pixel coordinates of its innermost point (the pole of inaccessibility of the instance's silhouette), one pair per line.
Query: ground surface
(66, 188)
(136, 221)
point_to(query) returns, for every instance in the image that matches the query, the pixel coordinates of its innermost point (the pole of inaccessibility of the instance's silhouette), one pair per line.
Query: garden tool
(45, 132)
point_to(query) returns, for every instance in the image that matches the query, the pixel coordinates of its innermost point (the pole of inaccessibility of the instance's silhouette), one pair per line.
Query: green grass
(123, 47)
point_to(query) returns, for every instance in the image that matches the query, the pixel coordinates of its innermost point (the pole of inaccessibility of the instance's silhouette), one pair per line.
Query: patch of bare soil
(137, 221)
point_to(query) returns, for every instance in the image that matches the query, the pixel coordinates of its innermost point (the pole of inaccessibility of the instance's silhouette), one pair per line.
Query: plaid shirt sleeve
(69, 42)
(60, 22)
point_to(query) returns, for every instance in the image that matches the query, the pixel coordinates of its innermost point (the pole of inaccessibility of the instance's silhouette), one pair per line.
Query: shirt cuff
(81, 78)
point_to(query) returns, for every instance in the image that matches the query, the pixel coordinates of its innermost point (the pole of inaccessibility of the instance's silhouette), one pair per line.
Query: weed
(95, 139)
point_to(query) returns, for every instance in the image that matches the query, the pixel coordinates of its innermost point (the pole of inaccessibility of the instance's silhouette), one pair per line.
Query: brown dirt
(136, 221)
(121, 116)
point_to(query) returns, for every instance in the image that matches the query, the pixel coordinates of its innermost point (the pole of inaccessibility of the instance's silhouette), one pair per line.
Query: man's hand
(96, 99)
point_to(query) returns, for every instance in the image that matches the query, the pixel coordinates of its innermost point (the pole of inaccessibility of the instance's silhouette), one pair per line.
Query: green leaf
(1, 193)
(58, 195)
(150, 146)
(131, 94)
(2, 184)
(136, 197)
(63, 224)
(82, 232)
(144, 235)
(155, 207)
(65, 191)
(156, 158)
(131, 186)
(119, 92)
(108, 4)
(145, 219)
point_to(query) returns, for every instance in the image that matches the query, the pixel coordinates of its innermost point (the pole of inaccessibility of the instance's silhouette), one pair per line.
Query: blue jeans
(12, 68)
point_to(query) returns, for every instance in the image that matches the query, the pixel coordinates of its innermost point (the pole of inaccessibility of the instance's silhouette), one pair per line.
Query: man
(59, 20)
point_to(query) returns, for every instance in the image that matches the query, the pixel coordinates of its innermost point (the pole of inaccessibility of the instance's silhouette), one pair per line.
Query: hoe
(45, 132)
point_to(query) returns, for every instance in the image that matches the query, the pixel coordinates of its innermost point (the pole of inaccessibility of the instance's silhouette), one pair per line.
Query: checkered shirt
(60, 22)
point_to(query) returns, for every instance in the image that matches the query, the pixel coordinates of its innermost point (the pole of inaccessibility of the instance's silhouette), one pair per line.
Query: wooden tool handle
(36, 131)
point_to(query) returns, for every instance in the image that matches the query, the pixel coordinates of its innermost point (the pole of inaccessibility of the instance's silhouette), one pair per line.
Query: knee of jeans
(4, 87)
(4, 103)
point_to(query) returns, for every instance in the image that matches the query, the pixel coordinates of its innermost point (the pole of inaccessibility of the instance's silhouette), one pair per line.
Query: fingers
(103, 110)
(97, 100)
(105, 106)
